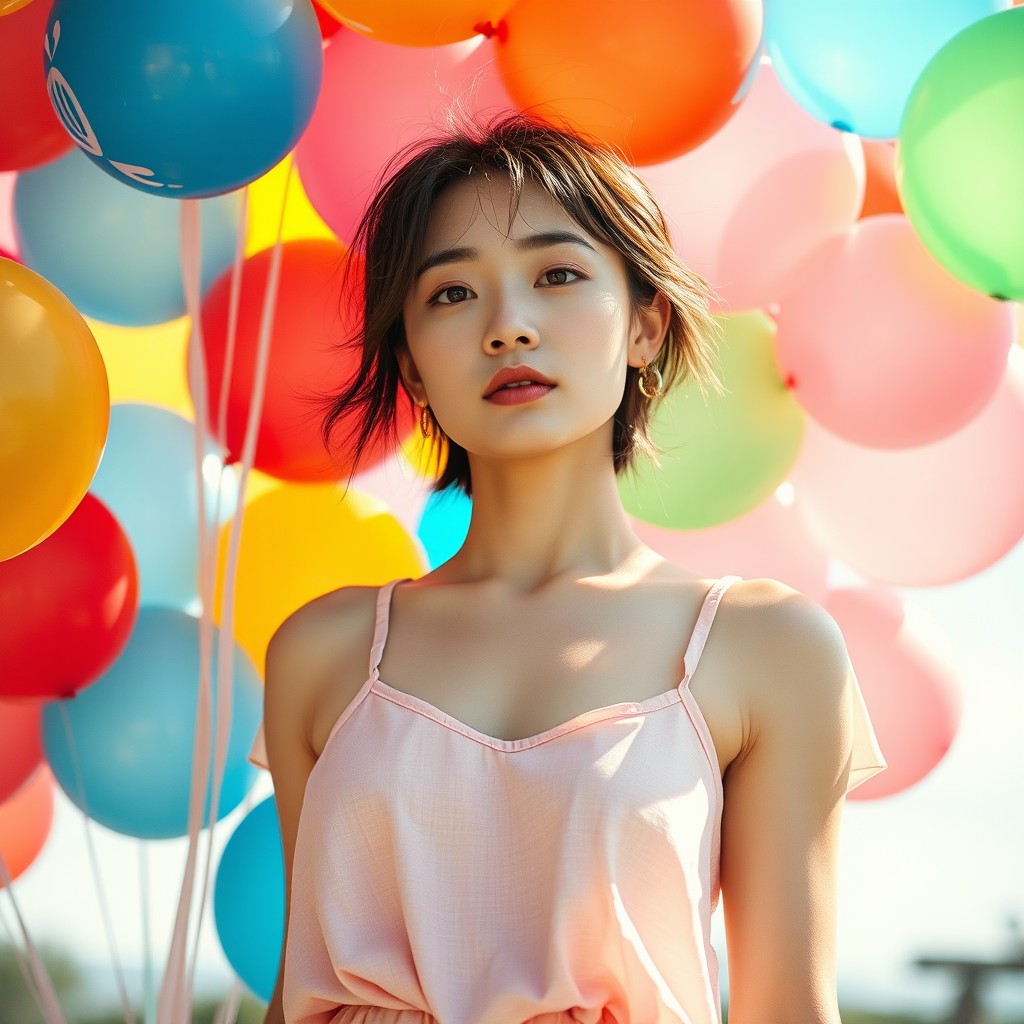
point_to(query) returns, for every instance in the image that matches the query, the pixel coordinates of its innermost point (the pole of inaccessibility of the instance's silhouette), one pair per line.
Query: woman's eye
(450, 296)
(560, 275)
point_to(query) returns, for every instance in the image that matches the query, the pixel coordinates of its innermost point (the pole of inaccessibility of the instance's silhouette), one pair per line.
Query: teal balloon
(720, 456)
(184, 98)
(124, 756)
(113, 251)
(444, 524)
(960, 158)
(853, 63)
(249, 899)
(147, 478)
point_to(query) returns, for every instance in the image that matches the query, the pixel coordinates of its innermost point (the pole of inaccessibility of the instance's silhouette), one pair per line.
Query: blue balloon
(147, 478)
(249, 898)
(443, 524)
(184, 98)
(853, 63)
(114, 252)
(125, 754)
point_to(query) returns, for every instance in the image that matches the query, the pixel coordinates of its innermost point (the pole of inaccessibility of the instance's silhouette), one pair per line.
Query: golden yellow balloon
(54, 408)
(266, 195)
(300, 541)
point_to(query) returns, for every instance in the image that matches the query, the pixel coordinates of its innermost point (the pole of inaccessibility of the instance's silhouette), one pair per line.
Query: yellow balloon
(54, 408)
(426, 456)
(10, 6)
(147, 364)
(303, 540)
(266, 195)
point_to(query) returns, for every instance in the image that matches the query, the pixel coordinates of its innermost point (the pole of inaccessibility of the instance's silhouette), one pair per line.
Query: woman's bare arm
(784, 798)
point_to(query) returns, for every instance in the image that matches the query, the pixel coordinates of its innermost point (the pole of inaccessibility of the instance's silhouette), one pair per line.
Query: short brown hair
(596, 188)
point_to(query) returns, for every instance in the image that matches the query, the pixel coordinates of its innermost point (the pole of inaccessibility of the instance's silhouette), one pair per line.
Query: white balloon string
(225, 662)
(42, 991)
(175, 1001)
(148, 991)
(227, 1012)
(94, 864)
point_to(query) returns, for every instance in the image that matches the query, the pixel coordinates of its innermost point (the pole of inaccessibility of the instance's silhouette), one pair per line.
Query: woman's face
(538, 292)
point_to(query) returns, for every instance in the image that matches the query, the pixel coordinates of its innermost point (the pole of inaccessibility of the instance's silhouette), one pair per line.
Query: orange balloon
(10, 6)
(25, 822)
(417, 22)
(54, 408)
(654, 79)
(880, 194)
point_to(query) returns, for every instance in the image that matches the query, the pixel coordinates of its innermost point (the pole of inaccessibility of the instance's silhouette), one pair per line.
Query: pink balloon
(923, 516)
(882, 345)
(747, 206)
(912, 696)
(376, 98)
(8, 239)
(21, 743)
(768, 542)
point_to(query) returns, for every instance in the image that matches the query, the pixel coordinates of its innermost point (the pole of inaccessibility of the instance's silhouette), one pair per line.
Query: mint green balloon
(723, 455)
(960, 156)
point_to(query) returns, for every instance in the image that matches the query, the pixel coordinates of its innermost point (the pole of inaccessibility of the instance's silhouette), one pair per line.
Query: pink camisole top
(441, 874)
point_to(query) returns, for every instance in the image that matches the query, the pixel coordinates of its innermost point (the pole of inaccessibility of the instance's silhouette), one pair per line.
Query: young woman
(529, 807)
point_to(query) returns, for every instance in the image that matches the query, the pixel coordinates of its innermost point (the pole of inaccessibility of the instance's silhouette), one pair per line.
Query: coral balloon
(30, 133)
(301, 541)
(654, 83)
(249, 900)
(883, 346)
(305, 362)
(54, 408)
(768, 542)
(401, 92)
(964, 122)
(880, 192)
(21, 742)
(121, 263)
(122, 749)
(721, 456)
(852, 63)
(68, 605)
(25, 822)
(183, 98)
(923, 516)
(902, 666)
(773, 184)
(417, 22)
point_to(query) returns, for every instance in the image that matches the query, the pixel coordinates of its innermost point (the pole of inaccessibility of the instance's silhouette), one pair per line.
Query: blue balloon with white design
(184, 98)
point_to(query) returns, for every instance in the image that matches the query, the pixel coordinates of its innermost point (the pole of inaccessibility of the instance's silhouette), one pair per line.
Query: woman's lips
(518, 395)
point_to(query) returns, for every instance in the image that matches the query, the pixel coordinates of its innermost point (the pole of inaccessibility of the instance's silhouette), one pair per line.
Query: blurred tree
(18, 1005)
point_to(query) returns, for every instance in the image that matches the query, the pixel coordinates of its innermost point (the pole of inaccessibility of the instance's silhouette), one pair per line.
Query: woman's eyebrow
(541, 240)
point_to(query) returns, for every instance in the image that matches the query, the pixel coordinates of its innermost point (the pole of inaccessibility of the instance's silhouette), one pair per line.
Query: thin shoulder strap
(380, 629)
(699, 636)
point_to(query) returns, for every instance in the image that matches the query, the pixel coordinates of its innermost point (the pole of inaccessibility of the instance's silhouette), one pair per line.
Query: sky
(934, 870)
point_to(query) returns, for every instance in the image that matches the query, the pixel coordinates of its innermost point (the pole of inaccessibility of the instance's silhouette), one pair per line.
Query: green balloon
(960, 155)
(721, 457)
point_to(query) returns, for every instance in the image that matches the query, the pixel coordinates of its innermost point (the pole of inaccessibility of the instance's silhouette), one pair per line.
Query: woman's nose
(510, 328)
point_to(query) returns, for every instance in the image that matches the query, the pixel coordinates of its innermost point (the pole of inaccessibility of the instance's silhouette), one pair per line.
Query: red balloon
(328, 26)
(654, 79)
(30, 133)
(68, 605)
(21, 743)
(306, 363)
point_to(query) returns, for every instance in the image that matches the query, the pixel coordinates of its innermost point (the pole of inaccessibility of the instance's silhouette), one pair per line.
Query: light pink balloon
(920, 517)
(747, 206)
(377, 98)
(8, 240)
(911, 693)
(882, 345)
(768, 542)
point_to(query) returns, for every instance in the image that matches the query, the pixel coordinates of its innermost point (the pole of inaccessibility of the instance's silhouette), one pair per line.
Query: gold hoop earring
(424, 420)
(643, 383)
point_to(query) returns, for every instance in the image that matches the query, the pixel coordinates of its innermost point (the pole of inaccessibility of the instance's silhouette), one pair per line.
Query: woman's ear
(410, 375)
(650, 325)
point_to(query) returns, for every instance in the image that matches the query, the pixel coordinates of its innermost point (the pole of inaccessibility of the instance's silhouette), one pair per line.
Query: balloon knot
(230, 460)
(485, 28)
(790, 382)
